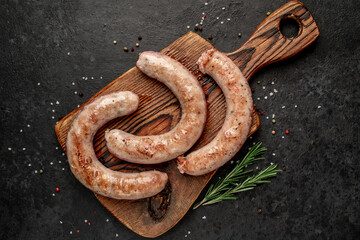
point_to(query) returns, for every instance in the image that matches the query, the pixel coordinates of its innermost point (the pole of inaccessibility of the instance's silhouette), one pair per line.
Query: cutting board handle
(267, 44)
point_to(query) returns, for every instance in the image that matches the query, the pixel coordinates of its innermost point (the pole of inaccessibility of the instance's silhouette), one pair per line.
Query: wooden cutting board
(159, 111)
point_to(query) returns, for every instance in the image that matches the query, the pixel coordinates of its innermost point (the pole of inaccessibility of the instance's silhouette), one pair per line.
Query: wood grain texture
(159, 111)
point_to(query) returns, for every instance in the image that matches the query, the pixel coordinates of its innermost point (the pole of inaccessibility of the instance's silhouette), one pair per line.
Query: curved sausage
(160, 148)
(235, 130)
(84, 163)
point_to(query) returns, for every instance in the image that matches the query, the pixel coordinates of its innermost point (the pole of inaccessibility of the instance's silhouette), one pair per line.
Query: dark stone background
(56, 43)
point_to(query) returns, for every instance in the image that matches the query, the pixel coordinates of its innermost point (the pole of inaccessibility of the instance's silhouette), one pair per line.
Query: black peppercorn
(210, 37)
(81, 94)
(196, 28)
(139, 37)
(200, 28)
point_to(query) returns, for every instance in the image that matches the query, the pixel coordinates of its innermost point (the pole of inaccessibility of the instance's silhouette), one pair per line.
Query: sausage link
(84, 163)
(235, 130)
(160, 148)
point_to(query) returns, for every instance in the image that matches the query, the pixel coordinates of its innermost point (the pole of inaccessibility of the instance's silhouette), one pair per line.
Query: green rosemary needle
(227, 186)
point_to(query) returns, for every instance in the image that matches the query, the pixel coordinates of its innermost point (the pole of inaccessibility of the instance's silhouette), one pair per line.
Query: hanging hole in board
(290, 26)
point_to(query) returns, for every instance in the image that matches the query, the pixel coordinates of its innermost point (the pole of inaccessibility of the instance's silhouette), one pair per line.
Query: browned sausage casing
(237, 123)
(84, 163)
(160, 148)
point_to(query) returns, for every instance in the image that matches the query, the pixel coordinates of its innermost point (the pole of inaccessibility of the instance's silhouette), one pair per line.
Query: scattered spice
(204, 16)
(273, 121)
(262, 113)
(115, 42)
(258, 82)
(89, 223)
(259, 210)
(132, 49)
(273, 132)
(81, 94)
(57, 189)
(210, 37)
(284, 168)
(268, 13)
(239, 35)
(196, 28)
(137, 44)
(139, 37)
(126, 49)
(41, 171)
(287, 131)
(200, 28)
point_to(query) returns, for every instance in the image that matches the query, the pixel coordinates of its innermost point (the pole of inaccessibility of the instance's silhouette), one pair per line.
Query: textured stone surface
(57, 43)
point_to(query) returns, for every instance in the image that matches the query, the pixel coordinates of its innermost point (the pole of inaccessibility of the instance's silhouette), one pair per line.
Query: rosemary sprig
(226, 187)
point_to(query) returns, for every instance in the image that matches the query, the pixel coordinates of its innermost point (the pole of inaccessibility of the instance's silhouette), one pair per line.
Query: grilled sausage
(160, 148)
(82, 159)
(233, 133)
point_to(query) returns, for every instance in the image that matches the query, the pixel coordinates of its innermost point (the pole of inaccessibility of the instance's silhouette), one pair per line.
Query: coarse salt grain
(57, 102)
(38, 84)
(85, 220)
(24, 149)
(228, 19)
(273, 116)
(267, 117)
(53, 110)
(29, 164)
(265, 97)
(53, 194)
(75, 92)
(51, 163)
(272, 83)
(107, 220)
(70, 232)
(51, 104)
(188, 26)
(217, 18)
(295, 106)
(68, 53)
(282, 137)
(28, 125)
(222, 22)
(206, 4)
(263, 87)
(9, 148)
(273, 154)
(92, 77)
(283, 107)
(35, 171)
(63, 169)
(189, 232)
(21, 130)
(73, 83)
(53, 117)
(116, 235)
(223, 8)
(204, 217)
(271, 93)
(319, 106)
(258, 98)
(275, 91)
(56, 148)
(59, 161)
(61, 222)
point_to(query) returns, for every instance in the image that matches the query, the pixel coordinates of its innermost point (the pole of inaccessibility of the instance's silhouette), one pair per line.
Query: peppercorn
(132, 49)
(200, 28)
(287, 131)
(262, 113)
(126, 49)
(196, 28)
(259, 210)
(268, 13)
(81, 94)
(210, 37)
(284, 168)
(60, 117)
(137, 44)
(239, 35)
(273, 121)
(57, 189)
(273, 132)
(41, 171)
(115, 42)
(252, 90)
(139, 37)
